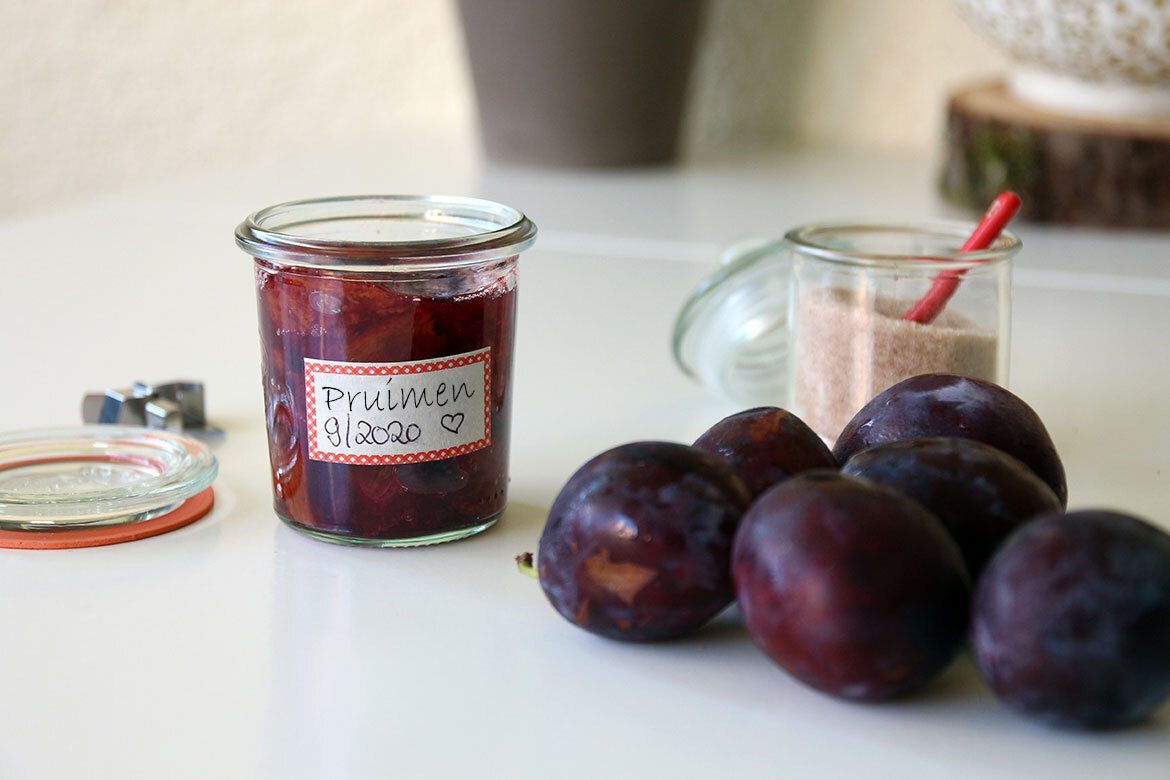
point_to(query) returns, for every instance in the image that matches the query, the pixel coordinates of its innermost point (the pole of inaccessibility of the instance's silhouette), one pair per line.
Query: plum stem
(524, 564)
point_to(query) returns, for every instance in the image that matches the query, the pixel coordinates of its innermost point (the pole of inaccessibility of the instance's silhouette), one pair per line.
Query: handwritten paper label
(369, 414)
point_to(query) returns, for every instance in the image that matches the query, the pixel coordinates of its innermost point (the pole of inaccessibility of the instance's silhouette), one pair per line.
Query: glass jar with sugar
(824, 319)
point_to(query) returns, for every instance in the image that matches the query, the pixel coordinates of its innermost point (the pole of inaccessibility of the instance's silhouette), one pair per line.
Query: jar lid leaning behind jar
(387, 328)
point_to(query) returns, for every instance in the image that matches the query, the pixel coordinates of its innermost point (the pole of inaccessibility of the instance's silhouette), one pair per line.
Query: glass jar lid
(386, 233)
(97, 475)
(732, 334)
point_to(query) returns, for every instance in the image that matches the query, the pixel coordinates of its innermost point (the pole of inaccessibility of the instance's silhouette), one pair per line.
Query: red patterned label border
(434, 425)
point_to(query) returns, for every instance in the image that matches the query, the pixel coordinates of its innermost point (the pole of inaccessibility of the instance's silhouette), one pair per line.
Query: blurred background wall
(99, 94)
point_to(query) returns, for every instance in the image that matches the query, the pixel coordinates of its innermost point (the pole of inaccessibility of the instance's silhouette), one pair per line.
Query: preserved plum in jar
(386, 368)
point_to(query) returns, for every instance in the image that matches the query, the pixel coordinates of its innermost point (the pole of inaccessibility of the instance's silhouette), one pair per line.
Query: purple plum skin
(956, 406)
(851, 587)
(765, 446)
(638, 543)
(1071, 620)
(981, 494)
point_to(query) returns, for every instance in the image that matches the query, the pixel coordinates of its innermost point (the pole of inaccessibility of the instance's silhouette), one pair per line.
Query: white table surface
(236, 648)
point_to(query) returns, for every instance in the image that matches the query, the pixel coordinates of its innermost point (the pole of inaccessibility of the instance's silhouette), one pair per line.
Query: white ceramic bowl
(1087, 57)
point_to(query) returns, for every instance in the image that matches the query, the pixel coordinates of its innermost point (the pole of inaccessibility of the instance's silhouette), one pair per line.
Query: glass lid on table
(97, 476)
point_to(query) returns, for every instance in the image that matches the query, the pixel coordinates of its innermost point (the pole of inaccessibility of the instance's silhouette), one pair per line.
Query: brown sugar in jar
(846, 354)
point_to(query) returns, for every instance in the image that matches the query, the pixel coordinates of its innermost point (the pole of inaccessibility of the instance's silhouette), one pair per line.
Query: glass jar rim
(811, 240)
(313, 232)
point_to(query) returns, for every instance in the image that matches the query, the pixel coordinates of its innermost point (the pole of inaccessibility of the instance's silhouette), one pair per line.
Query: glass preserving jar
(387, 328)
(823, 320)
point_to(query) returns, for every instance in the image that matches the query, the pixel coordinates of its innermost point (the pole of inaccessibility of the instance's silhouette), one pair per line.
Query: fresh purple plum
(981, 494)
(638, 543)
(851, 587)
(766, 445)
(949, 405)
(1071, 620)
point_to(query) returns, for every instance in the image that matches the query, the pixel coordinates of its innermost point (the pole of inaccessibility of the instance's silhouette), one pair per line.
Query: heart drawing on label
(452, 422)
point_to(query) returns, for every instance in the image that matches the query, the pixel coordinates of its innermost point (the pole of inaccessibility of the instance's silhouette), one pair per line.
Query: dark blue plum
(638, 543)
(851, 587)
(949, 405)
(981, 494)
(765, 446)
(1071, 620)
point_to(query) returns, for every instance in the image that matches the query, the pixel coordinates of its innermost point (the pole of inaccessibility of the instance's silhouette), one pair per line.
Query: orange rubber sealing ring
(184, 514)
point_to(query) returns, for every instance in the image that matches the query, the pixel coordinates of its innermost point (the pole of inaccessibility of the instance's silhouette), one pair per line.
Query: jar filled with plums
(387, 328)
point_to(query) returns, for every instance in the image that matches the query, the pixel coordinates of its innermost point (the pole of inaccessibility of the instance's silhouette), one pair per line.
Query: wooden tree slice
(1067, 169)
